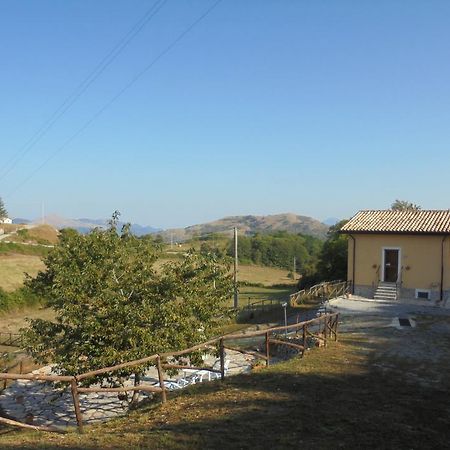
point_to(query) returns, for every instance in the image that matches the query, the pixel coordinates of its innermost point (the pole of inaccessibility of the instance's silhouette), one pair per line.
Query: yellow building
(400, 254)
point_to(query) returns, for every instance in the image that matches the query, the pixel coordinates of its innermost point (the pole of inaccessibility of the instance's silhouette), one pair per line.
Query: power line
(83, 86)
(119, 94)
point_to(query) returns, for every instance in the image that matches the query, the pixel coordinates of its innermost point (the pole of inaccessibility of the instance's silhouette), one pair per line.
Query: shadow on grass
(342, 403)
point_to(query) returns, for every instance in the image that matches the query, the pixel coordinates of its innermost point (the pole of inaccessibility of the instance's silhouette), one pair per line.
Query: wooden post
(304, 339)
(161, 380)
(21, 367)
(235, 271)
(76, 404)
(336, 320)
(267, 349)
(325, 331)
(222, 360)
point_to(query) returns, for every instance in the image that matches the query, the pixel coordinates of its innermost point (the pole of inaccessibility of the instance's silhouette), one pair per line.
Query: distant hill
(19, 220)
(289, 222)
(331, 221)
(84, 225)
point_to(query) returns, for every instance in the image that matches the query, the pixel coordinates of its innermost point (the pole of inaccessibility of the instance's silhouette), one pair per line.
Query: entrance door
(391, 265)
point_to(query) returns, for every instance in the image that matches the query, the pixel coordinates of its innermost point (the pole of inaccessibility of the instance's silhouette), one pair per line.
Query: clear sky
(313, 107)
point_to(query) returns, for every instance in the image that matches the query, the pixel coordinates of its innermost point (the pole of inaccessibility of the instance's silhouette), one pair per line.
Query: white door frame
(399, 268)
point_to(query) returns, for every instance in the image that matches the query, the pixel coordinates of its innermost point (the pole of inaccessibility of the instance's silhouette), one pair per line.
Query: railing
(321, 329)
(260, 306)
(10, 339)
(325, 290)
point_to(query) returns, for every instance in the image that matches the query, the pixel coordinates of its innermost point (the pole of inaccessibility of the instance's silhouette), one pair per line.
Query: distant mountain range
(84, 225)
(248, 225)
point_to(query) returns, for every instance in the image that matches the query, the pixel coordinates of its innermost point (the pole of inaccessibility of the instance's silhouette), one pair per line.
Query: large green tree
(3, 212)
(333, 257)
(113, 306)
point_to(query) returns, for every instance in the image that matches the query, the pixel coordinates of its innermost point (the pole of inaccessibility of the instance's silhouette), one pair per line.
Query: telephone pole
(236, 295)
(295, 266)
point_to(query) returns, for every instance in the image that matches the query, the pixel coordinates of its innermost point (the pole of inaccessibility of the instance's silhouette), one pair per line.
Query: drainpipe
(441, 297)
(353, 268)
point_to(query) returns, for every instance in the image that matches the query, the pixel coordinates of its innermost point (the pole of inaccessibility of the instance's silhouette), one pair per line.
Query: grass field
(352, 394)
(41, 234)
(13, 267)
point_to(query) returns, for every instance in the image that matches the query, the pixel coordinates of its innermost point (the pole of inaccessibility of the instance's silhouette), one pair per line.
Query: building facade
(400, 254)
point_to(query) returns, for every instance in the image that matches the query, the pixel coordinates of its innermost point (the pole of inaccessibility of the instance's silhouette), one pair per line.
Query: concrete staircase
(386, 291)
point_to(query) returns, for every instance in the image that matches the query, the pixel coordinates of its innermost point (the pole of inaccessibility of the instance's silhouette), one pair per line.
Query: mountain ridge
(246, 224)
(251, 224)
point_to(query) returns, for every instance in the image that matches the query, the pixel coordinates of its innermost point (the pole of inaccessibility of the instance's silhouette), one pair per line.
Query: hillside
(289, 222)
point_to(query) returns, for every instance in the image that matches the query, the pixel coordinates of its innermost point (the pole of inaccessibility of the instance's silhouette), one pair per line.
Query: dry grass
(13, 321)
(333, 398)
(13, 268)
(267, 276)
(10, 227)
(41, 234)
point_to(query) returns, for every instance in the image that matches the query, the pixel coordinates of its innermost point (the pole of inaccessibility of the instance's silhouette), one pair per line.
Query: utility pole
(236, 295)
(295, 267)
(42, 213)
(171, 240)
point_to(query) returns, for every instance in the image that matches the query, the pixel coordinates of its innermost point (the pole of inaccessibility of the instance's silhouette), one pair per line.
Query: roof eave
(414, 233)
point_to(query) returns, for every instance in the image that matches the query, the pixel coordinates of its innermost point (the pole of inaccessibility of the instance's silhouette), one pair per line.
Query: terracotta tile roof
(406, 222)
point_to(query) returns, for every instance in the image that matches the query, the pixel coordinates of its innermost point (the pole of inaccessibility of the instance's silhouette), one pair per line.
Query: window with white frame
(423, 294)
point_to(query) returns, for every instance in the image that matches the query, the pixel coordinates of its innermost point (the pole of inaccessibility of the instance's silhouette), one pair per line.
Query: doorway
(390, 264)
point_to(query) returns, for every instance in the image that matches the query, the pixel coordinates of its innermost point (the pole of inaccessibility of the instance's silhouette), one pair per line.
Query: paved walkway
(42, 403)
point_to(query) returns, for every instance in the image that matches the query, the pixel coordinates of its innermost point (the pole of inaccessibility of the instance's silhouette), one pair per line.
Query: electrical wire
(119, 94)
(83, 86)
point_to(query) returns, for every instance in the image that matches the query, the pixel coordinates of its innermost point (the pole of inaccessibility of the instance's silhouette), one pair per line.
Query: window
(423, 294)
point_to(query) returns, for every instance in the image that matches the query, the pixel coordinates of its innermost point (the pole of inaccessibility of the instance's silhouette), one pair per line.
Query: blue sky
(313, 107)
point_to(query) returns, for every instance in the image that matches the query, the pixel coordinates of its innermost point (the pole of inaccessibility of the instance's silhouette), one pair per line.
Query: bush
(20, 298)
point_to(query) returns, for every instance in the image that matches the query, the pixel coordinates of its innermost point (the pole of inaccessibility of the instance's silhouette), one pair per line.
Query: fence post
(76, 404)
(267, 349)
(336, 320)
(325, 333)
(304, 340)
(222, 359)
(21, 367)
(161, 380)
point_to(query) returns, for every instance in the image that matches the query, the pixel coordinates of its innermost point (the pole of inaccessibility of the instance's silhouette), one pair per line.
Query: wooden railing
(325, 290)
(321, 329)
(10, 339)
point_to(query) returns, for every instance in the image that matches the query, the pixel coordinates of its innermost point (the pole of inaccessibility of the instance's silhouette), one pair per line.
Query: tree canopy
(112, 305)
(403, 205)
(332, 259)
(3, 212)
(278, 250)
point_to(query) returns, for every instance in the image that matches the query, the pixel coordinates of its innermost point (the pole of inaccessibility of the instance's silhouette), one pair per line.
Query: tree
(403, 205)
(332, 263)
(3, 212)
(113, 306)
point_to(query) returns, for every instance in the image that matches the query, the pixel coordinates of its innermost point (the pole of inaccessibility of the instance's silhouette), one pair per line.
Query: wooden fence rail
(326, 324)
(324, 290)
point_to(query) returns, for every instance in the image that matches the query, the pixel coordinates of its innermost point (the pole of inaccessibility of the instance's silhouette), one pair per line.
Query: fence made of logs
(10, 339)
(323, 291)
(320, 329)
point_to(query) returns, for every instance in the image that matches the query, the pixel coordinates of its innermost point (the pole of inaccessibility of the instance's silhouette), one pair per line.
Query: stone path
(42, 403)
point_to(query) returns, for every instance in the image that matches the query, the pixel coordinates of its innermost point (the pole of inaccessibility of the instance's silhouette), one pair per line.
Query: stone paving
(43, 403)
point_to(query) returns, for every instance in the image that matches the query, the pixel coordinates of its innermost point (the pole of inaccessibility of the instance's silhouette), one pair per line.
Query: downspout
(353, 264)
(441, 296)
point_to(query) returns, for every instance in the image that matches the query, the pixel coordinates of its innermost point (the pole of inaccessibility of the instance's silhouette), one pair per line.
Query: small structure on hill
(5, 220)
(400, 254)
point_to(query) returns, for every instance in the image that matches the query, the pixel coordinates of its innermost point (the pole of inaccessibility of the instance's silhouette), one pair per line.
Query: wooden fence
(10, 339)
(321, 329)
(325, 290)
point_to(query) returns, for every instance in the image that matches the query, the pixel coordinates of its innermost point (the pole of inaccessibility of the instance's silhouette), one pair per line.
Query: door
(390, 265)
